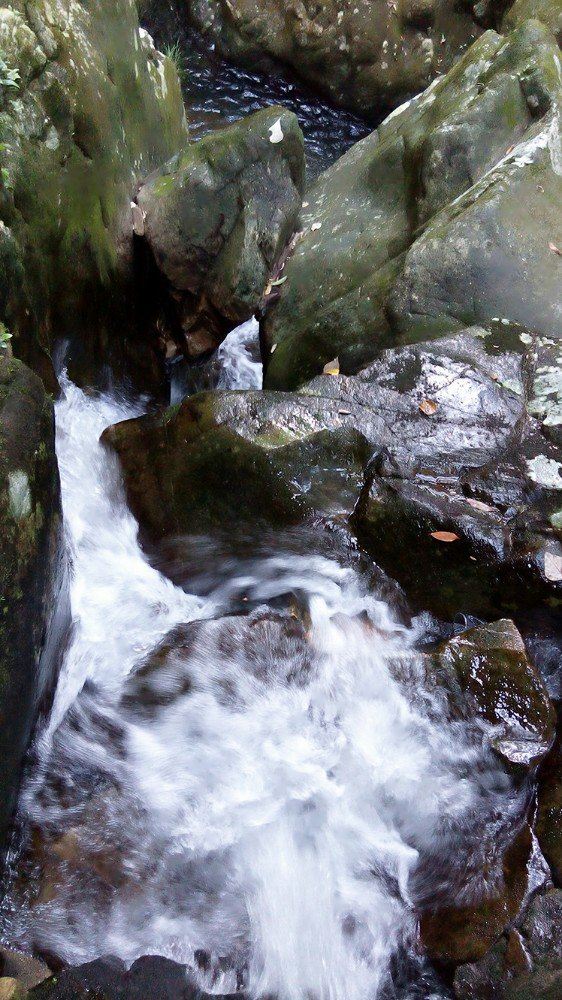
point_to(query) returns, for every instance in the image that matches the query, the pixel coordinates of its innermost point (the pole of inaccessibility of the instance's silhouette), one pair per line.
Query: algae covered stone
(33, 598)
(217, 218)
(95, 108)
(442, 218)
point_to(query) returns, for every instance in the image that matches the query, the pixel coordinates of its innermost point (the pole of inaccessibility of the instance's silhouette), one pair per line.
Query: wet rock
(471, 467)
(33, 584)
(96, 107)
(526, 964)
(488, 674)
(24, 969)
(108, 979)
(365, 56)
(456, 192)
(547, 11)
(489, 477)
(465, 932)
(217, 218)
(549, 812)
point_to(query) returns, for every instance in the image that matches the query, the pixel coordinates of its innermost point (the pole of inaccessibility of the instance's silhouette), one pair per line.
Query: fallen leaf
(315, 226)
(332, 367)
(472, 558)
(480, 505)
(445, 536)
(428, 406)
(553, 567)
(555, 249)
(278, 281)
(273, 348)
(268, 290)
(344, 413)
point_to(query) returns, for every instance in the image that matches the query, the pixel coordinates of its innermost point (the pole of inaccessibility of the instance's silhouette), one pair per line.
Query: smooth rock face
(96, 107)
(368, 56)
(217, 218)
(440, 219)
(33, 595)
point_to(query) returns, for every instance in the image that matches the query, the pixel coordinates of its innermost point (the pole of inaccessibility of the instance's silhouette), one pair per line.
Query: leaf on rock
(315, 227)
(555, 249)
(279, 281)
(445, 536)
(344, 413)
(480, 505)
(332, 367)
(429, 407)
(553, 567)
(273, 348)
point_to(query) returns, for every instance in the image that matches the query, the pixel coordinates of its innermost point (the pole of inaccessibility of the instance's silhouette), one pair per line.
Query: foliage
(8, 77)
(5, 335)
(174, 52)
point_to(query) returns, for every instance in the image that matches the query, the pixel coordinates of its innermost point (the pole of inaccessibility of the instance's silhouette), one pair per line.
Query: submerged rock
(446, 216)
(217, 218)
(94, 108)
(366, 56)
(33, 585)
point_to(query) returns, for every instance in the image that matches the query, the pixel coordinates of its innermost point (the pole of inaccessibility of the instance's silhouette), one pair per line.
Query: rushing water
(269, 808)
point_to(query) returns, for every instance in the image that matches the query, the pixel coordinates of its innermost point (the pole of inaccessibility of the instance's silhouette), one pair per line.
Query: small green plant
(5, 336)
(8, 77)
(174, 52)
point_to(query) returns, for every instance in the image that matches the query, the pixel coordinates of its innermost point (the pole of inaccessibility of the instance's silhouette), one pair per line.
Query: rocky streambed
(280, 666)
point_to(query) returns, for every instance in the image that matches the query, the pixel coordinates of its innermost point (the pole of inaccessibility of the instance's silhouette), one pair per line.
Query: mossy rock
(217, 218)
(439, 220)
(96, 108)
(33, 594)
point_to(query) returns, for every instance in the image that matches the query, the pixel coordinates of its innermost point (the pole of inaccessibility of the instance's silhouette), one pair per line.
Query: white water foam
(276, 829)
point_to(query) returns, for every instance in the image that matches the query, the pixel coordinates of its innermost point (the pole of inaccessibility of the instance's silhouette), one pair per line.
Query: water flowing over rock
(217, 218)
(33, 598)
(446, 216)
(95, 108)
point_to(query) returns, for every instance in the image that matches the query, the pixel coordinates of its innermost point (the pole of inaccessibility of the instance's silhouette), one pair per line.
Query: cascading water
(268, 817)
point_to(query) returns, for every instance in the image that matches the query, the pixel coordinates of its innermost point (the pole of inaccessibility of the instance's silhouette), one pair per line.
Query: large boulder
(33, 598)
(366, 56)
(445, 421)
(92, 108)
(446, 216)
(217, 218)
(490, 478)
(109, 979)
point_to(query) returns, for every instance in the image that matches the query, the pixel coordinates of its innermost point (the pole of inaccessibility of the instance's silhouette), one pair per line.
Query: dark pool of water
(217, 93)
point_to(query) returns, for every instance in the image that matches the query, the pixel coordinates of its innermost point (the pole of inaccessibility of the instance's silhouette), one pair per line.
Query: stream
(273, 813)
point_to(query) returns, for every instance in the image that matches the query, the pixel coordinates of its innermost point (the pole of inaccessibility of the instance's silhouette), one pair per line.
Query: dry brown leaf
(332, 367)
(480, 505)
(555, 249)
(445, 536)
(553, 567)
(429, 407)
